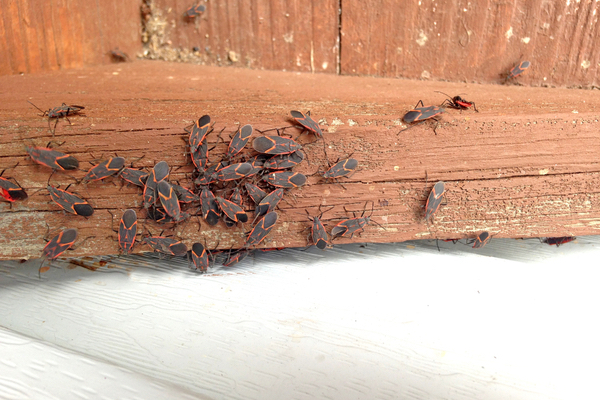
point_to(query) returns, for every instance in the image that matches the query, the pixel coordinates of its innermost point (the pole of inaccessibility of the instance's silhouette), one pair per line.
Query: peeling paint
(586, 64)
(289, 37)
(422, 38)
(525, 40)
(509, 33)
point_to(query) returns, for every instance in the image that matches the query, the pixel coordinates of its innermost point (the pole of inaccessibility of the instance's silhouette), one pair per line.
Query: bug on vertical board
(58, 245)
(166, 245)
(232, 210)
(159, 215)
(127, 231)
(159, 173)
(269, 203)
(457, 102)
(232, 172)
(194, 11)
(198, 132)
(200, 257)
(284, 161)
(235, 257)
(118, 56)
(134, 176)
(341, 168)
(255, 193)
(170, 202)
(557, 241)
(517, 70)
(62, 111)
(210, 208)
(275, 145)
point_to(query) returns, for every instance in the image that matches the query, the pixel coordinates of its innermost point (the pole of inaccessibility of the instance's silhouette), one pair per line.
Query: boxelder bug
(105, 169)
(257, 164)
(341, 168)
(557, 241)
(199, 132)
(169, 201)
(184, 195)
(239, 141)
(275, 145)
(166, 245)
(52, 158)
(158, 214)
(58, 245)
(159, 173)
(232, 172)
(317, 230)
(349, 227)
(118, 56)
(210, 209)
(284, 161)
(434, 200)
(134, 176)
(232, 210)
(261, 229)
(307, 122)
(194, 11)
(70, 202)
(517, 70)
(59, 112)
(256, 193)
(285, 179)
(200, 257)
(269, 203)
(481, 240)
(457, 102)
(127, 231)
(235, 257)
(419, 114)
(11, 191)
(208, 175)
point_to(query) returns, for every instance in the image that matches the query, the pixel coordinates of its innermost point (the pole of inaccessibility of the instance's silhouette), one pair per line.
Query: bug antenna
(437, 91)
(43, 112)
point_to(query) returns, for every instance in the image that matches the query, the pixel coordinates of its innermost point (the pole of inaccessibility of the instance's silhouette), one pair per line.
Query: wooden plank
(40, 36)
(278, 34)
(526, 165)
(458, 40)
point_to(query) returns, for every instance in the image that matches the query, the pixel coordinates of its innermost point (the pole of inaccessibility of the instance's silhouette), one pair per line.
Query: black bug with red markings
(58, 245)
(348, 227)
(232, 210)
(107, 168)
(184, 195)
(127, 231)
(255, 193)
(198, 133)
(419, 114)
(159, 173)
(517, 70)
(260, 231)
(134, 176)
(70, 202)
(341, 168)
(232, 172)
(307, 122)
(457, 102)
(169, 201)
(284, 161)
(159, 215)
(62, 111)
(166, 245)
(269, 203)
(481, 240)
(317, 231)
(118, 56)
(285, 179)
(557, 241)
(275, 145)
(434, 200)
(210, 208)
(200, 257)
(239, 141)
(194, 11)
(11, 191)
(235, 257)
(53, 159)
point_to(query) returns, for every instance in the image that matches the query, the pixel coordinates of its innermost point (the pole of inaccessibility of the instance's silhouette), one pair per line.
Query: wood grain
(37, 35)
(526, 165)
(280, 34)
(458, 40)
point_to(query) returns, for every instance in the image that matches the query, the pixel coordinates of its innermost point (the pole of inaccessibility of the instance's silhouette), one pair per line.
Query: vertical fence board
(458, 40)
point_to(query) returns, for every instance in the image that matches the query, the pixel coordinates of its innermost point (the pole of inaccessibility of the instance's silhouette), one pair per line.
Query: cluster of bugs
(258, 172)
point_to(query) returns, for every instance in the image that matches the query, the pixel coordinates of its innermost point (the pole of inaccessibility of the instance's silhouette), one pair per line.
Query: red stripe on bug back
(127, 231)
(262, 228)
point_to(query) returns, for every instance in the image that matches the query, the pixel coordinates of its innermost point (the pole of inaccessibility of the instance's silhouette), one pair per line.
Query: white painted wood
(382, 321)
